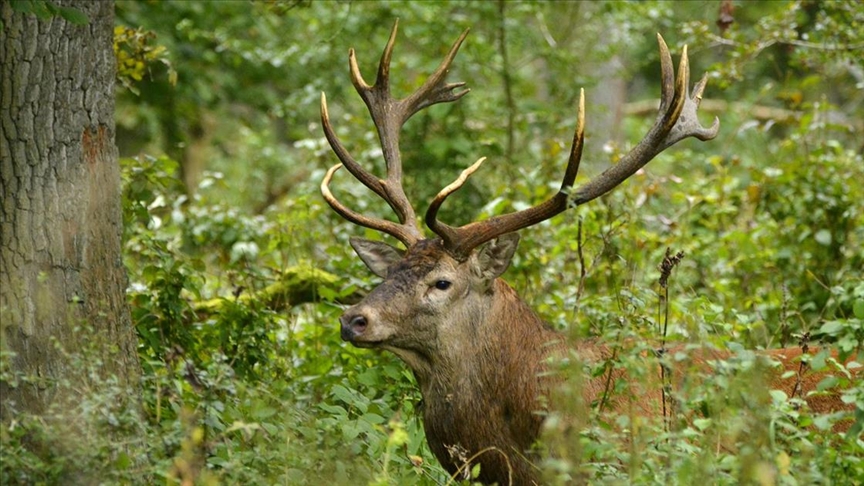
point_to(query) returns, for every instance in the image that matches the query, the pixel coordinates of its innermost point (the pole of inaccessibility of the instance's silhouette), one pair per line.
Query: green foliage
(46, 9)
(235, 390)
(135, 54)
(744, 433)
(228, 372)
(94, 438)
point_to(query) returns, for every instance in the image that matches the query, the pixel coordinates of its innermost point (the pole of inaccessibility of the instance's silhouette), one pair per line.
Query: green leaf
(373, 418)
(858, 308)
(822, 422)
(333, 409)
(342, 393)
(827, 383)
(327, 293)
(264, 412)
(41, 9)
(702, 424)
(22, 6)
(73, 15)
(350, 431)
(823, 237)
(123, 461)
(831, 327)
(818, 361)
(217, 461)
(778, 396)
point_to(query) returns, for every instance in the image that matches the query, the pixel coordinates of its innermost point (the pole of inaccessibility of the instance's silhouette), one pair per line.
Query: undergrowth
(245, 392)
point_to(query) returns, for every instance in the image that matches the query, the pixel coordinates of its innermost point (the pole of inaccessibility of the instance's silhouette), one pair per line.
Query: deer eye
(442, 284)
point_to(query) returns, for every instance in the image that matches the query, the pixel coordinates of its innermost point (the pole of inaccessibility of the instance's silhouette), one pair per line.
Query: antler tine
(366, 178)
(434, 90)
(460, 241)
(380, 105)
(401, 232)
(388, 115)
(383, 77)
(676, 120)
(449, 235)
(411, 232)
(667, 75)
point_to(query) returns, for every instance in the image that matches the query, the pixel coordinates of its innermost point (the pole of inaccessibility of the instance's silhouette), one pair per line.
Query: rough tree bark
(61, 272)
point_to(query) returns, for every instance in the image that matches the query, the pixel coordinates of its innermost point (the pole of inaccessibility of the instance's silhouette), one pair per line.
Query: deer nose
(353, 326)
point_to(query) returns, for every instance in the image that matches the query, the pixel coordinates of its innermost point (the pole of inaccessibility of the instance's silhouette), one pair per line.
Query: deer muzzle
(353, 326)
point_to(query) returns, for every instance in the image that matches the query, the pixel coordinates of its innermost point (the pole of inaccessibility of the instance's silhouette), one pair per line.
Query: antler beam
(676, 120)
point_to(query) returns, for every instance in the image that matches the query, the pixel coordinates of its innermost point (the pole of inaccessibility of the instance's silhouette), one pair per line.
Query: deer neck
(484, 391)
(497, 345)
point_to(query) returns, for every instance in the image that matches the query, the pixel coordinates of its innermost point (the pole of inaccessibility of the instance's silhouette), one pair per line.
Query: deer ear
(377, 255)
(494, 257)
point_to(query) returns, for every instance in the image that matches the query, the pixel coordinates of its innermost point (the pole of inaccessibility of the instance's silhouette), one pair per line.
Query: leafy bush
(241, 387)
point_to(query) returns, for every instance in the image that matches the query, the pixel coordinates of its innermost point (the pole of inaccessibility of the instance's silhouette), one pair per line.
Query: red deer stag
(476, 349)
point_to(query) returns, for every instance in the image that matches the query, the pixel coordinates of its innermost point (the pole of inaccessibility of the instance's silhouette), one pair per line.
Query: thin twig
(802, 366)
(506, 80)
(666, 266)
(467, 462)
(761, 46)
(582, 270)
(607, 386)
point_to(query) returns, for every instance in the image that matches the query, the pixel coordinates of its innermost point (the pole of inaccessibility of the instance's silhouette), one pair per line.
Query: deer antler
(388, 115)
(676, 121)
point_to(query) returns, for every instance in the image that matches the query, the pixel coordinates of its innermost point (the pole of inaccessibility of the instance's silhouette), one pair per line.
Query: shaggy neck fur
(487, 385)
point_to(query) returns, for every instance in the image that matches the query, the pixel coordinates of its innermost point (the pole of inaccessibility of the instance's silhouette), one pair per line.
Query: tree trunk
(62, 281)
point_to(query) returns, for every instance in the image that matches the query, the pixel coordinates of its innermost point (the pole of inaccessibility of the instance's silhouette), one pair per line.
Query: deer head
(456, 262)
(474, 346)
